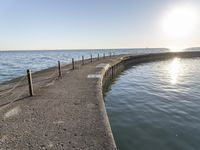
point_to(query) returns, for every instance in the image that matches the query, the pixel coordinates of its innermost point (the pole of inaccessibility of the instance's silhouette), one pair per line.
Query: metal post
(112, 69)
(91, 58)
(98, 57)
(30, 83)
(104, 55)
(73, 63)
(59, 69)
(82, 60)
(110, 54)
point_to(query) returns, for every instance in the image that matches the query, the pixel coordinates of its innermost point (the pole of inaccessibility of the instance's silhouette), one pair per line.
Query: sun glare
(174, 70)
(176, 48)
(180, 22)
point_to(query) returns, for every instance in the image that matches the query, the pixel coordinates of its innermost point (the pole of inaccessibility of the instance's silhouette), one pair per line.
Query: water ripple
(156, 106)
(15, 63)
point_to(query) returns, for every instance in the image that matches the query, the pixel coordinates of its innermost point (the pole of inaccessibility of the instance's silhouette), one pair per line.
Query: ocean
(150, 106)
(156, 106)
(15, 63)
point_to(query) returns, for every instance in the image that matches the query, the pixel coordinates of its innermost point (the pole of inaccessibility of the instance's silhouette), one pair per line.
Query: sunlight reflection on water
(156, 106)
(174, 70)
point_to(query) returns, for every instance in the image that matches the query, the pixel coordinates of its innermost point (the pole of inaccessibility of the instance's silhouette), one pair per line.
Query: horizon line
(63, 49)
(84, 49)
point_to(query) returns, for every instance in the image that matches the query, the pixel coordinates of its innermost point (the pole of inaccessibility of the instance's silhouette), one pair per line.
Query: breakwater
(67, 111)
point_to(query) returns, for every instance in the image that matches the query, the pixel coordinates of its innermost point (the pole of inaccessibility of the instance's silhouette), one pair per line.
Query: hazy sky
(75, 24)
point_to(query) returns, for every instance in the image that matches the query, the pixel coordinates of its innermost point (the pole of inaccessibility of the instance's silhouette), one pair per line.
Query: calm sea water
(15, 63)
(156, 106)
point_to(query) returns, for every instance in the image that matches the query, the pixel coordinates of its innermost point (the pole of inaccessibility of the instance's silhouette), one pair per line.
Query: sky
(92, 24)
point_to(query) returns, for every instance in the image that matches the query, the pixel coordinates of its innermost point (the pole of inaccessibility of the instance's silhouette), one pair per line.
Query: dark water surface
(156, 106)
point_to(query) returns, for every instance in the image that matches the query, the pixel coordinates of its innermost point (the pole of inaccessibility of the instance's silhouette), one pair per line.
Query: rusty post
(112, 71)
(82, 60)
(59, 69)
(30, 83)
(91, 58)
(73, 64)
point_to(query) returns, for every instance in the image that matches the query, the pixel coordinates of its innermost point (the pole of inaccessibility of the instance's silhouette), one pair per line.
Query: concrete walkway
(67, 113)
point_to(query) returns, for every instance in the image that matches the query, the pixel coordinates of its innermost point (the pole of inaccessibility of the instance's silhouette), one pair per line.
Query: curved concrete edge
(106, 122)
(144, 58)
(112, 144)
(127, 61)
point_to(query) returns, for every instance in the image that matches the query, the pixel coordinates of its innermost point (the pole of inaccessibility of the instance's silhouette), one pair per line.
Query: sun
(179, 22)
